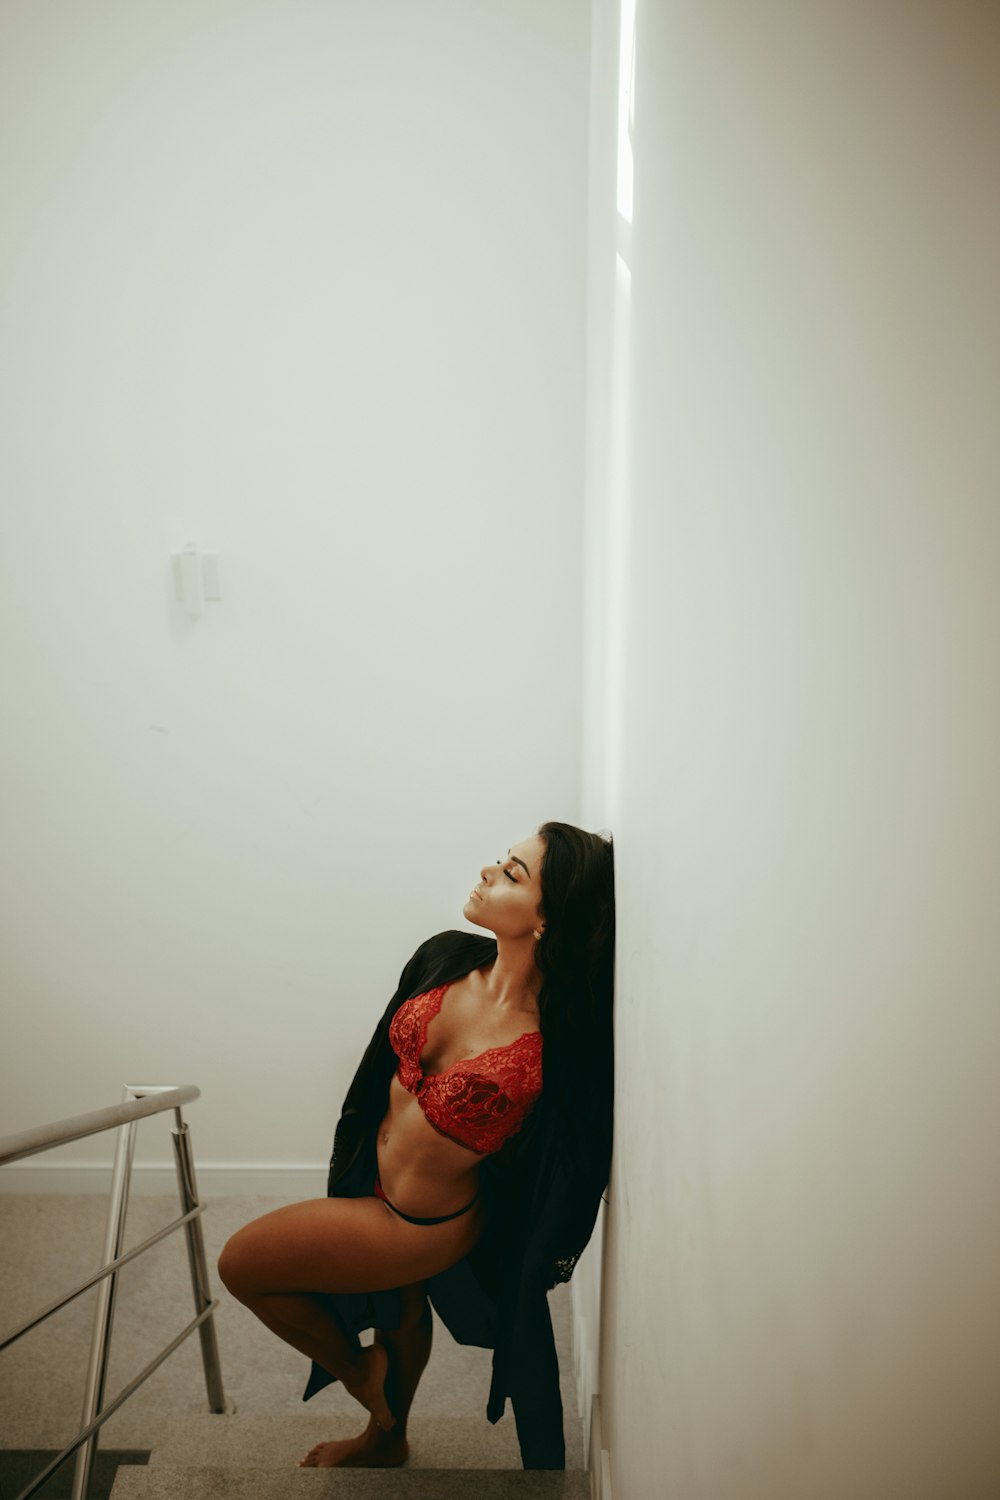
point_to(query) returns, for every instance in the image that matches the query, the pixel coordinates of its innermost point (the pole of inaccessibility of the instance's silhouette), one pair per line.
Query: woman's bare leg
(408, 1348)
(302, 1321)
(341, 1245)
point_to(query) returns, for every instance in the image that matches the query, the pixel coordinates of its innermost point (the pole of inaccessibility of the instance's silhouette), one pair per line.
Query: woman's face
(508, 897)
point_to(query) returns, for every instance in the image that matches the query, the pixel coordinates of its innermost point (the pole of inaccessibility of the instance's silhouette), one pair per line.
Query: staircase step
(252, 1440)
(349, 1484)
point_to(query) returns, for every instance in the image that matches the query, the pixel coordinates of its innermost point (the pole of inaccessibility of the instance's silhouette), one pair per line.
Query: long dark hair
(576, 955)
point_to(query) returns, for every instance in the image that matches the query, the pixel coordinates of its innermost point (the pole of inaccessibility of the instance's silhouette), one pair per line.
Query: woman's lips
(475, 896)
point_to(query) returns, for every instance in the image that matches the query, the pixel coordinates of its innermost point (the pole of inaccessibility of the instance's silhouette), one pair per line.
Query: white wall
(801, 1290)
(304, 284)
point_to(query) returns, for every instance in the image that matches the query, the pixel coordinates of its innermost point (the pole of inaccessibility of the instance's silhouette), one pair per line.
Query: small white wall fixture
(196, 579)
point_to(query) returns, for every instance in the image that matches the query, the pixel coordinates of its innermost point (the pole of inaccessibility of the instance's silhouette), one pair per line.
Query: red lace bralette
(479, 1101)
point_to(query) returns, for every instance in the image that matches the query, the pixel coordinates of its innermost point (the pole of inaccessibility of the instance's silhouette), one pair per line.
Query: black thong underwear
(411, 1219)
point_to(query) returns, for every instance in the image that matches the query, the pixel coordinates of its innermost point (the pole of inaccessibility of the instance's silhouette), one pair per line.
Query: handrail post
(97, 1372)
(199, 1267)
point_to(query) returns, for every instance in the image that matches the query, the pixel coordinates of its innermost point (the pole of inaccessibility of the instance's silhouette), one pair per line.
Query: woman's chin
(471, 912)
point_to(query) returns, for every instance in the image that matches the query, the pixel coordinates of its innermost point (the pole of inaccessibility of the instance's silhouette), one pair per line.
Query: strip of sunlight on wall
(617, 512)
(617, 536)
(626, 108)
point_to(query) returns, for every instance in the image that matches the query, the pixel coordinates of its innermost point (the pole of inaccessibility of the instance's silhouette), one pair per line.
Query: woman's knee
(235, 1265)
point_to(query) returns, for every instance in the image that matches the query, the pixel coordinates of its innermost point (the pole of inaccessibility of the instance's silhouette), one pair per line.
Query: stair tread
(253, 1440)
(208, 1483)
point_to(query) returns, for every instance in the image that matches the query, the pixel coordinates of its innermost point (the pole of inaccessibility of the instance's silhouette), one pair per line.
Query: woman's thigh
(341, 1245)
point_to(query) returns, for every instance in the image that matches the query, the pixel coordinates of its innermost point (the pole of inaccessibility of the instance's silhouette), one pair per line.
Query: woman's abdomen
(422, 1171)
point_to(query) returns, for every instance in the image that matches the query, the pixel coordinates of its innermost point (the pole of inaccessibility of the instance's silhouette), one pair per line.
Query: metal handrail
(140, 1101)
(61, 1132)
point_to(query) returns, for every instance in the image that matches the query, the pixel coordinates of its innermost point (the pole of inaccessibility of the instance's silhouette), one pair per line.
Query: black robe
(540, 1213)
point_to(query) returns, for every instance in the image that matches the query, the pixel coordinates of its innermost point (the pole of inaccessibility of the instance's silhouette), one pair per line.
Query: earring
(538, 934)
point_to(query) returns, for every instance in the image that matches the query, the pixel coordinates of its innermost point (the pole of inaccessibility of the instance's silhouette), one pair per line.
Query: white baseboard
(600, 1458)
(295, 1180)
(584, 1360)
(604, 1483)
(586, 1299)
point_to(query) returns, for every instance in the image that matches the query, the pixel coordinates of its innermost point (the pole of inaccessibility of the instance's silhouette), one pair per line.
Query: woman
(455, 1174)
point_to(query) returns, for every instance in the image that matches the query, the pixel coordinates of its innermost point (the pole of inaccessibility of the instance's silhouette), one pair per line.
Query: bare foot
(369, 1389)
(374, 1449)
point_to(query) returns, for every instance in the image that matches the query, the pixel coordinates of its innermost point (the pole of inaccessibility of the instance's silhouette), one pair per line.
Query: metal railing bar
(85, 1286)
(61, 1132)
(198, 1265)
(110, 1409)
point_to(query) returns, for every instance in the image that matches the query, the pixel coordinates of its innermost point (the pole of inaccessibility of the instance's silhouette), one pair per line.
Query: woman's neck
(515, 980)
